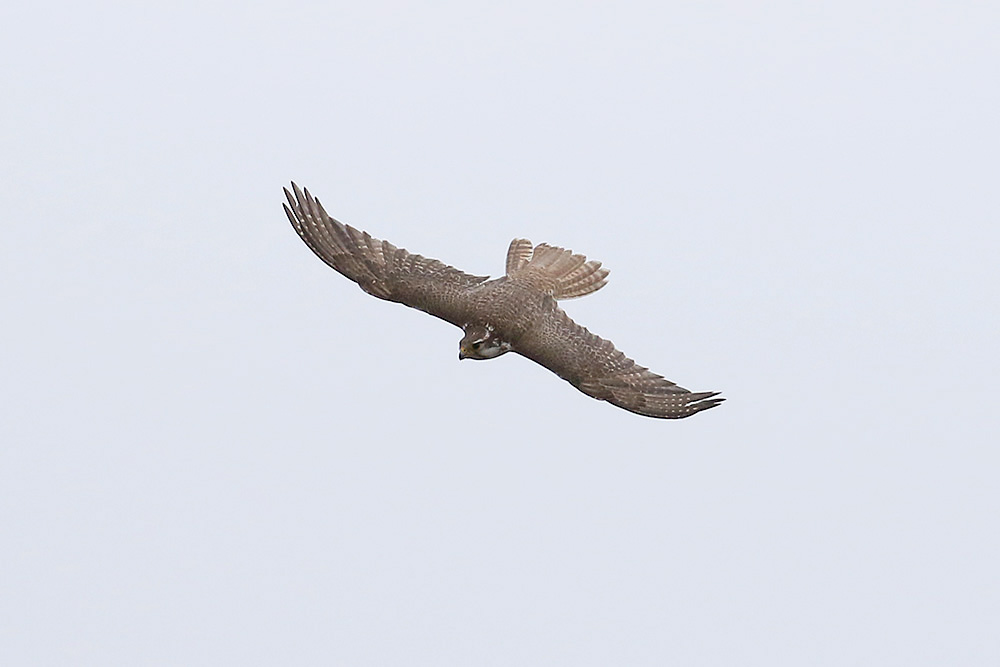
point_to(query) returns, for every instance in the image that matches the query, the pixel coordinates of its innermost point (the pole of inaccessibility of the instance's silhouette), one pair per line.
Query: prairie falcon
(515, 313)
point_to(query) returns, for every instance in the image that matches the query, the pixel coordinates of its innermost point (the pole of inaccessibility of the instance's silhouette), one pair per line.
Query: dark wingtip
(291, 216)
(293, 197)
(707, 402)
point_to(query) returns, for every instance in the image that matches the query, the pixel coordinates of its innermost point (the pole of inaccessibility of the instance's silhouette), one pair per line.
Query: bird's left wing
(594, 366)
(380, 268)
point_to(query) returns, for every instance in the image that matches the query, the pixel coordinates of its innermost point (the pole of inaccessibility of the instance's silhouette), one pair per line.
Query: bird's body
(511, 307)
(517, 312)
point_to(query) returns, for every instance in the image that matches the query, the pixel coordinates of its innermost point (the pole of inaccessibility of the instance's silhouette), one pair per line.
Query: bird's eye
(478, 344)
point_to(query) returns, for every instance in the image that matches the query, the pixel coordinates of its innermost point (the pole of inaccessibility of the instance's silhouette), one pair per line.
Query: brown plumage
(517, 312)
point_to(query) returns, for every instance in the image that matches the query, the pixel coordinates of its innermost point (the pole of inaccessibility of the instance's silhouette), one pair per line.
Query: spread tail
(569, 275)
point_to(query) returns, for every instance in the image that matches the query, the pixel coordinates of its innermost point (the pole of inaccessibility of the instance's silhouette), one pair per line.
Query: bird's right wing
(593, 365)
(380, 268)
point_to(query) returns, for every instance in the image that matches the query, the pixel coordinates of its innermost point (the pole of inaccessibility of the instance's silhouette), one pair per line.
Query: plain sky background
(215, 450)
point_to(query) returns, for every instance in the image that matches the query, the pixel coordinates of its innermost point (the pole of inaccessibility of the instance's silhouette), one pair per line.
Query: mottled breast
(510, 306)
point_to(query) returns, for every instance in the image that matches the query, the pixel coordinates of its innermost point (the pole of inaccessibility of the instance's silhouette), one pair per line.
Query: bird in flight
(516, 313)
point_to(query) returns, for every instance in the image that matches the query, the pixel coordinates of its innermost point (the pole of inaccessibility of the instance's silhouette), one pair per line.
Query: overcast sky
(216, 450)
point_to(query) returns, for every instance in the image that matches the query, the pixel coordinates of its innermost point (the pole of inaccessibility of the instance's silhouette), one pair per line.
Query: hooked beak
(461, 353)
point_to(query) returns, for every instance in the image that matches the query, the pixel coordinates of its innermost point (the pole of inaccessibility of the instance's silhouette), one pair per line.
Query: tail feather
(590, 277)
(518, 254)
(569, 275)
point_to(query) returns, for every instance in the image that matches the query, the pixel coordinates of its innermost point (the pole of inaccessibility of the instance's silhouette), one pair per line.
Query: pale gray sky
(218, 451)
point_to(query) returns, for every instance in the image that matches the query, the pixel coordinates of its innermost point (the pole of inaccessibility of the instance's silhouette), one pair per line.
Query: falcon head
(481, 343)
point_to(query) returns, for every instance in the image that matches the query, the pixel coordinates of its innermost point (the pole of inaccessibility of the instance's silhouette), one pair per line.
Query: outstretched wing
(595, 367)
(380, 268)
